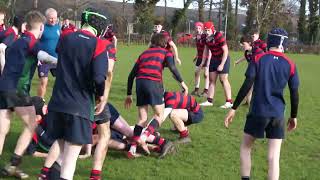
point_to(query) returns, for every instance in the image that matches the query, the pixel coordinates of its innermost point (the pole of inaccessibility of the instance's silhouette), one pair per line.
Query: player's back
(151, 63)
(273, 72)
(74, 86)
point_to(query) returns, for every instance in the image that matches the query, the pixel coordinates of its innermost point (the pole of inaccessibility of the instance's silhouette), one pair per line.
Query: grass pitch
(214, 151)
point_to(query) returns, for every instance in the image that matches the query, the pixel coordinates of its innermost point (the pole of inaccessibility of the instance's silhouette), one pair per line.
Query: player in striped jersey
(184, 111)
(149, 87)
(171, 46)
(257, 42)
(200, 39)
(250, 53)
(216, 50)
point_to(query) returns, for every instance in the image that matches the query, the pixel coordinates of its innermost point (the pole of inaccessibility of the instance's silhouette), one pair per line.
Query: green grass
(214, 152)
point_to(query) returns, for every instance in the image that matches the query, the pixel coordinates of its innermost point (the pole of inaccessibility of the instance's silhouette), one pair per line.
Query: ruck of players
(79, 120)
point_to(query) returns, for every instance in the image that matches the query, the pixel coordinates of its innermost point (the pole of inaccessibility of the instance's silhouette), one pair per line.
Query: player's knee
(31, 125)
(173, 115)
(4, 130)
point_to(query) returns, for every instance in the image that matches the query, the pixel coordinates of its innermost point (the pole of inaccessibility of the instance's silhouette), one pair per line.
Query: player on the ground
(184, 111)
(200, 38)
(83, 60)
(249, 54)
(11, 99)
(7, 37)
(149, 88)
(49, 42)
(217, 53)
(171, 46)
(270, 73)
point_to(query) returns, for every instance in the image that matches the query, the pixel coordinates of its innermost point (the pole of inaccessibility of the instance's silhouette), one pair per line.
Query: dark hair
(159, 39)
(158, 21)
(17, 22)
(246, 38)
(94, 19)
(255, 31)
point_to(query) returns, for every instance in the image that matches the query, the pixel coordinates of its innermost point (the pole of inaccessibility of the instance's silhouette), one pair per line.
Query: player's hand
(292, 124)
(228, 119)
(184, 88)
(100, 104)
(128, 102)
(236, 63)
(39, 63)
(178, 61)
(220, 67)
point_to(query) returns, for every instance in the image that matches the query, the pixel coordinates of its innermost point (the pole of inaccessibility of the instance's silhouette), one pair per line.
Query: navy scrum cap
(277, 37)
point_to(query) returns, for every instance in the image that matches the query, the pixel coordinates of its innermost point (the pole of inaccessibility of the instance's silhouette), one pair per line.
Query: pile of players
(84, 71)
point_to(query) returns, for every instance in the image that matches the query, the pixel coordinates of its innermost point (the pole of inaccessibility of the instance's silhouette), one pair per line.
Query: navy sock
(245, 178)
(54, 172)
(15, 160)
(137, 130)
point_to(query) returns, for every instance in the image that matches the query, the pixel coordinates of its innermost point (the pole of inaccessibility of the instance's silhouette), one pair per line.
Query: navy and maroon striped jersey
(8, 36)
(200, 43)
(109, 35)
(215, 44)
(177, 100)
(81, 74)
(19, 66)
(250, 55)
(2, 27)
(151, 63)
(260, 44)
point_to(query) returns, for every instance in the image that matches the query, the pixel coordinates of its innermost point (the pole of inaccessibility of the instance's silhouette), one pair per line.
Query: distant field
(214, 152)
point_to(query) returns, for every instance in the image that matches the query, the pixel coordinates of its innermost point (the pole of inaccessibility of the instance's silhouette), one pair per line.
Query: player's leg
(274, 148)
(212, 86)
(245, 155)
(43, 72)
(121, 125)
(70, 155)
(101, 150)
(5, 116)
(178, 118)
(206, 81)
(227, 90)
(196, 80)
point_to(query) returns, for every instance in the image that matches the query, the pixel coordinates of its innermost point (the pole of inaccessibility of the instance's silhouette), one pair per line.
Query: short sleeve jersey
(19, 64)
(74, 88)
(272, 71)
(215, 44)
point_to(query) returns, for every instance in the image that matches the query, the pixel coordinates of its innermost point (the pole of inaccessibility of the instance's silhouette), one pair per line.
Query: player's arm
(131, 78)
(224, 55)
(115, 41)
(293, 84)
(172, 67)
(111, 61)
(245, 88)
(240, 60)
(175, 51)
(206, 56)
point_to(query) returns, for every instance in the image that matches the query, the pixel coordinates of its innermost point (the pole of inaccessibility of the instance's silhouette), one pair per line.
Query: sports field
(214, 151)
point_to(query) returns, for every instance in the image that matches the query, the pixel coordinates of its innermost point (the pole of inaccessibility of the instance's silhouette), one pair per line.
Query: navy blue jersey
(81, 73)
(18, 66)
(8, 36)
(272, 72)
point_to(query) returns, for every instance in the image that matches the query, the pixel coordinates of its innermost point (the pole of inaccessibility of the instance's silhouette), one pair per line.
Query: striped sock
(95, 175)
(184, 133)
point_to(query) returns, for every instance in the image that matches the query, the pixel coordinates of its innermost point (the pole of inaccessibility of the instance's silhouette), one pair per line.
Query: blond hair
(33, 19)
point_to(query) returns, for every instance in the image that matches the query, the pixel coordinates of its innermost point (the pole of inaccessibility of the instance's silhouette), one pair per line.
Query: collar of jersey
(87, 32)
(29, 34)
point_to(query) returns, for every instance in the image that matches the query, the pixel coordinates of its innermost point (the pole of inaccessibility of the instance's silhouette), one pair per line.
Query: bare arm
(240, 60)
(175, 51)
(109, 79)
(225, 55)
(115, 40)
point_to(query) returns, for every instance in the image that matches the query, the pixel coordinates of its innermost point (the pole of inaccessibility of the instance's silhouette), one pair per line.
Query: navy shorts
(258, 127)
(11, 99)
(149, 92)
(194, 118)
(103, 117)
(114, 114)
(117, 136)
(71, 128)
(214, 64)
(43, 70)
